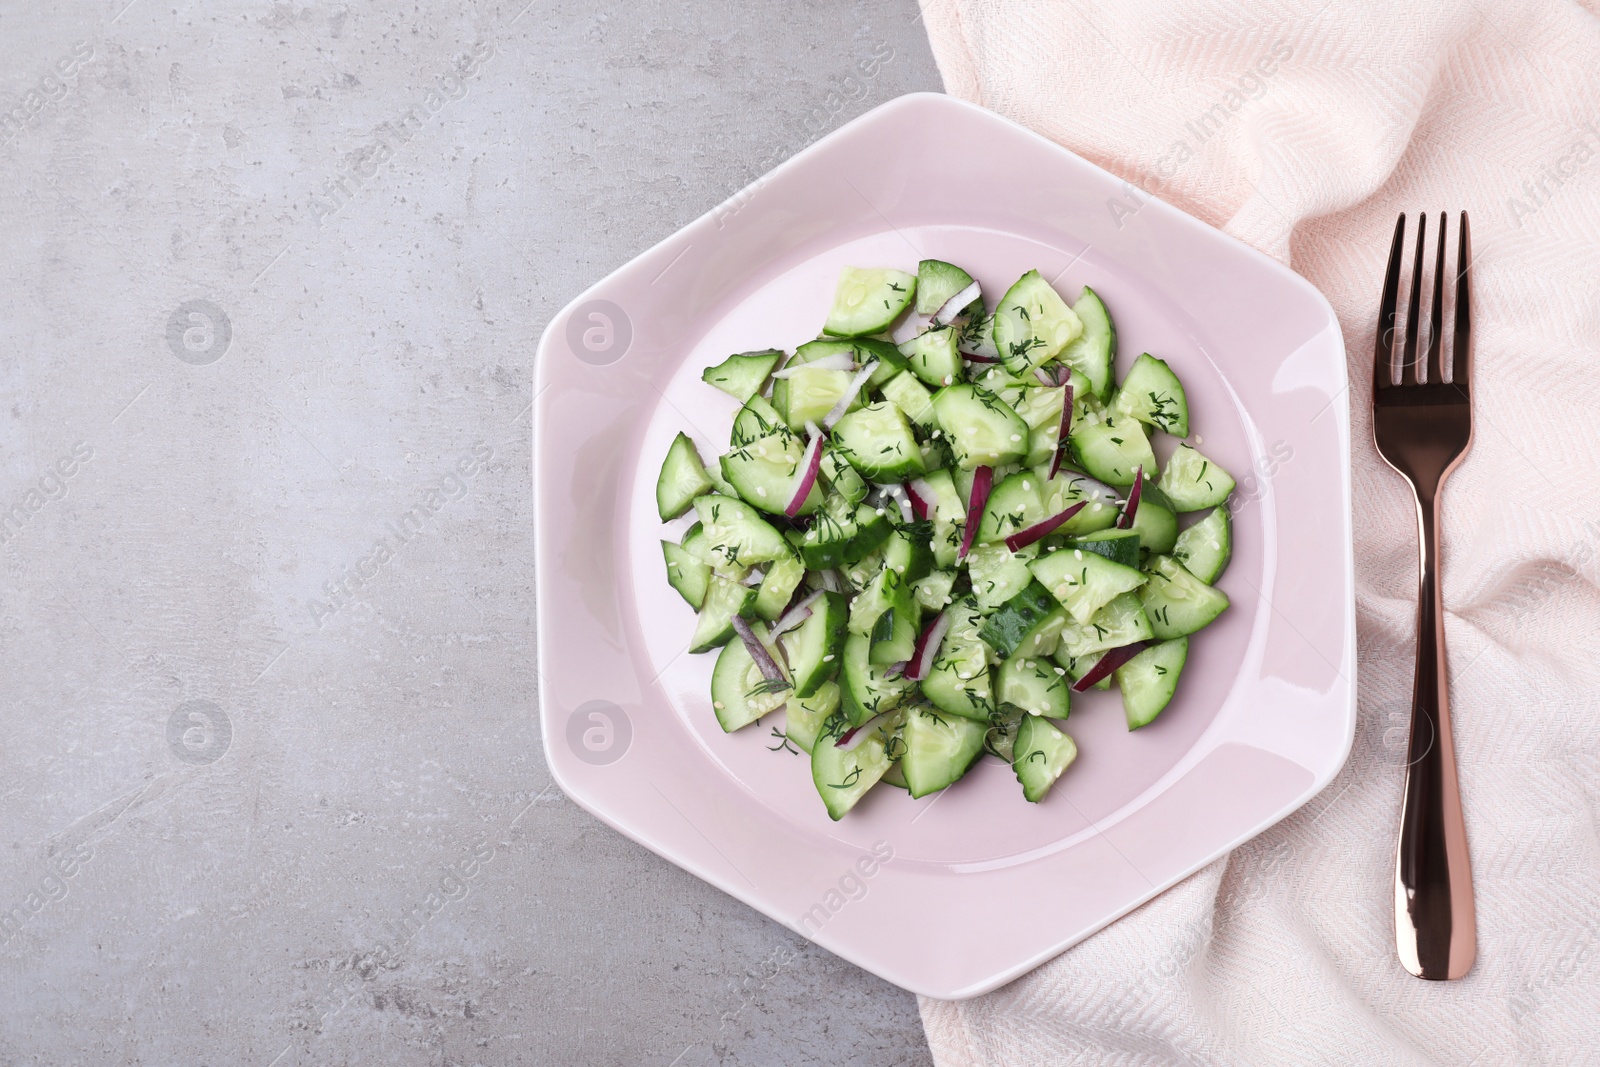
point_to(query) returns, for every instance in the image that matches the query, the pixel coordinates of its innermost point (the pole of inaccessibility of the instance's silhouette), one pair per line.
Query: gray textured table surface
(272, 795)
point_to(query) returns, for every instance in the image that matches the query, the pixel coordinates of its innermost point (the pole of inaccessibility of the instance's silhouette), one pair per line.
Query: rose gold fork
(1422, 427)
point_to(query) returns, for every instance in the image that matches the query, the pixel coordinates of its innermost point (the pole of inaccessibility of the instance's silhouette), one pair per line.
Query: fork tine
(1436, 318)
(1408, 355)
(1461, 350)
(1383, 363)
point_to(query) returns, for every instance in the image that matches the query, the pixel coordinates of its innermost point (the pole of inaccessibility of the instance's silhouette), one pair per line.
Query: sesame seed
(948, 379)
(1061, 670)
(1027, 486)
(1077, 553)
(1016, 437)
(761, 490)
(828, 658)
(719, 705)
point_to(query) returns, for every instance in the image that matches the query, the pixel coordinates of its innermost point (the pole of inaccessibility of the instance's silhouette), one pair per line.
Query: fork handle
(1435, 928)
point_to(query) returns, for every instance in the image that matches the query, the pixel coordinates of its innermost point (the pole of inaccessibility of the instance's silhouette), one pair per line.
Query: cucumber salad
(937, 522)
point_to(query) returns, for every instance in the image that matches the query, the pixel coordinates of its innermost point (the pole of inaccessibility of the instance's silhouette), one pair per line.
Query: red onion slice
(895, 670)
(1023, 538)
(849, 395)
(950, 309)
(758, 651)
(982, 482)
(1108, 662)
(797, 614)
(810, 466)
(898, 492)
(921, 663)
(1131, 508)
(920, 493)
(1061, 434)
(837, 361)
(853, 737)
(974, 357)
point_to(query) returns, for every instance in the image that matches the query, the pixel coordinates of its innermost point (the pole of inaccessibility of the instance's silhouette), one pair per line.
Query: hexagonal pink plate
(978, 886)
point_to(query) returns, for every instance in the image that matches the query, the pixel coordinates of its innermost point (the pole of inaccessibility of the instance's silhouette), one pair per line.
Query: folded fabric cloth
(1304, 130)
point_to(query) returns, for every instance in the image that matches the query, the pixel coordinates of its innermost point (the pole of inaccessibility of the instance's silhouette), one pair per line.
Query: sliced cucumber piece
(739, 693)
(933, 591)
(1033, 324)
(841, 534)
(736, 532)
(977, 335)
(938, 749)
(843, 776)
(1119, 546)
(982, 429)
(949, 514)
(1014, 505)
(1177, 602)
(697, 545)
(764, 473)
(934, 357)
(724, 600)
(1094, 352)
(879, 444)
(998, 574)
(863, 350)
(1077, 667)
(1034, 684)
(894, 638)
(777, 587)
(757, 419)
(865, 689)
(1121, 622)
(1067, 488)
(841, 477)
(909, 552)
(804, 716)
(1152, 394)
(1148, 680)
(937, 283)
(688, 575)
(813, 648)
(1192, 482)
(908, 394)
(1156, 525)
(1112, 449)
(959, 682)
(809, 394)
(868, 299)
(741, 376)
(1041, 410)
(1040, 755)
(1008, 628)
(878, 596)
(1084, 582)
(683, 477)
(1205, 548)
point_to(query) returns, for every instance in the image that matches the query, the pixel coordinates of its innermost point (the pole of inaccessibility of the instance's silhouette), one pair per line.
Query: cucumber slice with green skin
(741, 376)
(909, 553)
(1119, 546)
(937, 283)
(737, 534)
(982, 429)
(843, 776)
(894, 776)
(1084, 582)
(977, 335)
(714, 625)
(1041, 410)
(1148, 680)
(1152, 394)
(842, 478)
(863, 350)
(878, 596)
(868, 299)
(696, 544)
(777, 587)
(765, 471)
(804, 716)
(998, 574)
(1033, 324)
(757, 419)
(879, 443)
(908, 394)
(934, 356)
(1014, 505)
(1177, 602)
(938, 749)
(688, 575)
(933, 591)
(1192, 482)
(959, 682)
(1205, 548)
(1008, 628)
(1067, 488)
(949, 516)
(1040, 755)
(1121, 622)
(813, 648)
(1157, 526)
(1078, 667)
(894, 638)
(1112, 449)
(739, 693)
(1034, 684)
(1094, 352)
(683, 477)
(865, 691)
(842, 535)
(809, 394)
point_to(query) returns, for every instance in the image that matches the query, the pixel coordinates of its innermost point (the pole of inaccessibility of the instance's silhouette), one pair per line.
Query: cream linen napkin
(1304, 129)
